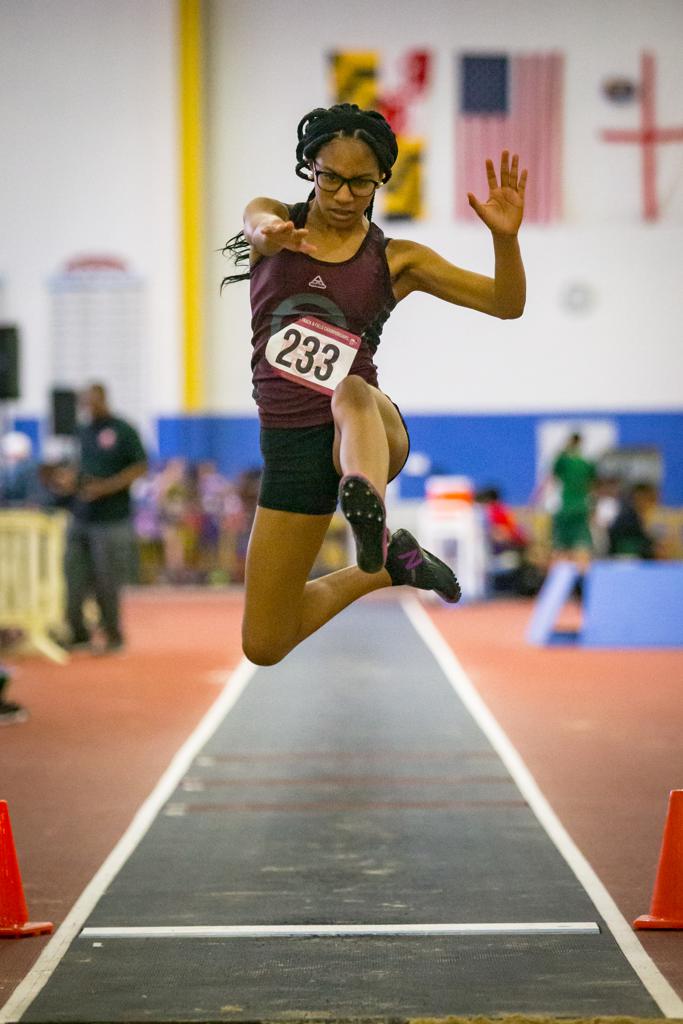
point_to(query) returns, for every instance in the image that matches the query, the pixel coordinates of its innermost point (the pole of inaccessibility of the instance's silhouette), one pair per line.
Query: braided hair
(314, 131)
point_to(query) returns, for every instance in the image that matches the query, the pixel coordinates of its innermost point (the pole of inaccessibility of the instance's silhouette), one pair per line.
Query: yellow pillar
(192, 210)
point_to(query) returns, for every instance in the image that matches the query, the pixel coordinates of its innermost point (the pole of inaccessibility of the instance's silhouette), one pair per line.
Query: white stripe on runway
(278, 931)
(47, 962)
(654, 981)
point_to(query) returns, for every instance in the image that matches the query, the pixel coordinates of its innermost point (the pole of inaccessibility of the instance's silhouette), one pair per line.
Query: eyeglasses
(361, 187)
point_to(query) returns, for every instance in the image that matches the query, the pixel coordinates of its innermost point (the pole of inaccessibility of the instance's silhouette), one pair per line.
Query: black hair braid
(323, 124)
(236, 249)
(314, 131)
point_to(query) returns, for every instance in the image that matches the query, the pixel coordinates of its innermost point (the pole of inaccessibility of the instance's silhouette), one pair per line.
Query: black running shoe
(364, 510)
(410, 565)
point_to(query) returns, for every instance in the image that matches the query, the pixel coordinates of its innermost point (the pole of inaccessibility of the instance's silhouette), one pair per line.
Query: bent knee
(353, 389)
(262, 651)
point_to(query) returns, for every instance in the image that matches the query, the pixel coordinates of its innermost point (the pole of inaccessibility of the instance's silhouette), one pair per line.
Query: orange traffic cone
(14, 922)
(667, 900)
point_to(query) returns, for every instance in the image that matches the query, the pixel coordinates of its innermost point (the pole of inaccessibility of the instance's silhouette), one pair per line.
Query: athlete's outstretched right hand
(277, 234)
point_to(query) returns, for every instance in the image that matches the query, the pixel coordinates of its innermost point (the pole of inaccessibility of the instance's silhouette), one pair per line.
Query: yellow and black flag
(355, 77)
(403, 192)
(399, 89)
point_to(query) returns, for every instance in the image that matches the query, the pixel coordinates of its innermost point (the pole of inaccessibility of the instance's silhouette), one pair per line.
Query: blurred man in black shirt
(101, 543)
(628, 533)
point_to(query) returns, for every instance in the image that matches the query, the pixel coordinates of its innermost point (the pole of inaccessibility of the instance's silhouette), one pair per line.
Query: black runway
(348, 786)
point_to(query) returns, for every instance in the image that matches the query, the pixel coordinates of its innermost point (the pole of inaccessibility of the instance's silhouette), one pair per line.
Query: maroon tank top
(355, 295)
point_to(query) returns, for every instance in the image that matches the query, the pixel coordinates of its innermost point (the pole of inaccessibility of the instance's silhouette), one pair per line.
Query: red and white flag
(643, 127)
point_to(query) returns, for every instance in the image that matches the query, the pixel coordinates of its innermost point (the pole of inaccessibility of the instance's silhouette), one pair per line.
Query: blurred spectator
(20, 485)
(247, 492)
(193, 523)
(513, 569)
(10, 713)
(504, 531)
(628, 533)
(571, 530)
(605, 510)
(100, 552)
(178, 503)
(143, 494)
(59, 483)
(214, 492)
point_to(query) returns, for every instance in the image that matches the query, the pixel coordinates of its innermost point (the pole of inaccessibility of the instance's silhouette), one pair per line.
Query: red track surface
(600, 731)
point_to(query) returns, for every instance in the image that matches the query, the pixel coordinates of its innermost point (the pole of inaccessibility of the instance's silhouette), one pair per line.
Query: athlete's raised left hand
(503, 210)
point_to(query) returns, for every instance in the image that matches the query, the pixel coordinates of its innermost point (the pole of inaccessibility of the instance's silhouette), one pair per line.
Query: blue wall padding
(230, 441)
(499, 451)
(496, 450)
(31, 427)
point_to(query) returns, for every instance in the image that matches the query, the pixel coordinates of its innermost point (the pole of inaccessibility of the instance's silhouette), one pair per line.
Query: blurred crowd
(179, 522)
(192, 522)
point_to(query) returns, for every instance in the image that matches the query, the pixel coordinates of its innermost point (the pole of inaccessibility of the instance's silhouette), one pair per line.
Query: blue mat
(554, 594)
(626, 603)
(633, 604)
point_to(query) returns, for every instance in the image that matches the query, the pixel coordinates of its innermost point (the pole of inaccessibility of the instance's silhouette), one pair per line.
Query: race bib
(313, 353)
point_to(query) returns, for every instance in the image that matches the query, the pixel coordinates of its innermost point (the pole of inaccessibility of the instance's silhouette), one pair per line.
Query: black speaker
(64, 404)
(9, 362)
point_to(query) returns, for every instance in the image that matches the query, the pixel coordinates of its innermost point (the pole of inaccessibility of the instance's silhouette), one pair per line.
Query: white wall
(88, 114)
(267, 68)
(89, 165)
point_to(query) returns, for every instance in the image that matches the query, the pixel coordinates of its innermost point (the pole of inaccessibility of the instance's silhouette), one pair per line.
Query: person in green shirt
(100, 549)
(571, 529)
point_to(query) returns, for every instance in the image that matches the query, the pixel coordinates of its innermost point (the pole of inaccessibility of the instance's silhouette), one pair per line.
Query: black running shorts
(298, 471)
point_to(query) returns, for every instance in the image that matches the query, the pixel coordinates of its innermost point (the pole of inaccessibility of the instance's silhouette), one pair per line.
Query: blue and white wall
(89, 95)
(89, 130)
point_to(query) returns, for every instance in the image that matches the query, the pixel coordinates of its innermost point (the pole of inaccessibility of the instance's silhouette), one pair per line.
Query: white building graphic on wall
(97, 330)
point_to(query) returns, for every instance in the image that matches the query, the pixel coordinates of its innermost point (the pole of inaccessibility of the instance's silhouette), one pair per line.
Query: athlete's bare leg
(282, 607)
(370, 439)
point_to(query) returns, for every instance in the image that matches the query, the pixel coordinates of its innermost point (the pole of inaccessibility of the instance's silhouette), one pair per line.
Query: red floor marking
(348, 780)
(394, 754)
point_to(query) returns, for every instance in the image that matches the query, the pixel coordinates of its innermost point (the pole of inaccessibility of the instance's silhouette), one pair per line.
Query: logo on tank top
(317, 282)
(305, 304)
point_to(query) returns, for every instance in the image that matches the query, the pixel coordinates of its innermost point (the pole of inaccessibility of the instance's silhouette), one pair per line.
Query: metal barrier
(32, 577)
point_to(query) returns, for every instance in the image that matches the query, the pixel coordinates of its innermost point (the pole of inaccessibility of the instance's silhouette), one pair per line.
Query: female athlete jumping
(323, 282)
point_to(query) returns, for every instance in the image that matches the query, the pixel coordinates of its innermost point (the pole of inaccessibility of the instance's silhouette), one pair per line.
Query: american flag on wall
(510, 102)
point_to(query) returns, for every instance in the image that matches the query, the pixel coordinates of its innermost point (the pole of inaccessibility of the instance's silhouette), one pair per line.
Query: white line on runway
(654, 981)
(278, 931)
(47, 962)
